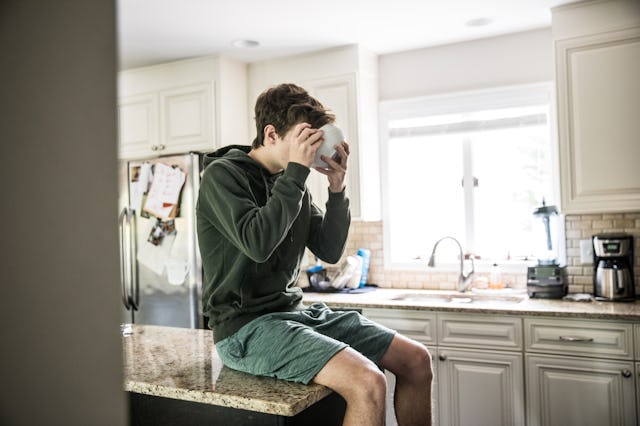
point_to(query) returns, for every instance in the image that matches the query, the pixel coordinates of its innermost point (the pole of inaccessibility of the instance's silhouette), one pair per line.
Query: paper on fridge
(163, 196)
(154, 256)
(139, 179)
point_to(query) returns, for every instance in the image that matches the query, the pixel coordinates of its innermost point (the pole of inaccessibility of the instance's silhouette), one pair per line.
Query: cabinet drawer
(480, 331)
(575, 337)
(416, 325)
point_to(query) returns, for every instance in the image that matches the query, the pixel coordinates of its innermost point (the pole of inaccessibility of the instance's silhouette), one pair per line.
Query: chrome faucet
(463, 280)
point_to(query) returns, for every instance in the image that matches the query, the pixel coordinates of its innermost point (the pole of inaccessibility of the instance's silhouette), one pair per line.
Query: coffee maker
(613, 267)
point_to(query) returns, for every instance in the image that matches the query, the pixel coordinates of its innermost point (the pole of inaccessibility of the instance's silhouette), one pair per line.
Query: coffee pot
(613, 267)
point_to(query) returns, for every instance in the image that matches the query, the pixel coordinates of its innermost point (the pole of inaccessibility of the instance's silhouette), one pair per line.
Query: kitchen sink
(461, 298)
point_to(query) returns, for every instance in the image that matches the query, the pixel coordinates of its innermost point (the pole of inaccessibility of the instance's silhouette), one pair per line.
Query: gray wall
(512, 59)
(60, 356)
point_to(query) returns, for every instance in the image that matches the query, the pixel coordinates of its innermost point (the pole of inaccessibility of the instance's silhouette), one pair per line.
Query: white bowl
(332, 137)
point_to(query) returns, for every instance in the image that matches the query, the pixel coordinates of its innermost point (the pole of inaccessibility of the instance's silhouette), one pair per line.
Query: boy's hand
(337, 170)
(304, 143)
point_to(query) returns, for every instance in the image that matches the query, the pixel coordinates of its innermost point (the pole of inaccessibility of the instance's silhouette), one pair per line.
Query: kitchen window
(473, 166)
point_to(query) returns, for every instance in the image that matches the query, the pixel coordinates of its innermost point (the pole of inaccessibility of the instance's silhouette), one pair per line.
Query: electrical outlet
(586, 251)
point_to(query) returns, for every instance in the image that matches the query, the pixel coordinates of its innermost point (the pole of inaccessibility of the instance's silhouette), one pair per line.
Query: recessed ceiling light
(246, 43)
(478, 22)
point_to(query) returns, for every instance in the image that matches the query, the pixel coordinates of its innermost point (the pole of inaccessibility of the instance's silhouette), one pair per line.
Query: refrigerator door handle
(123, 259)
(134, 286)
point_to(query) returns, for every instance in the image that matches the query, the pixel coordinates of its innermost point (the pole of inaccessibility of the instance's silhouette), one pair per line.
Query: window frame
(457, 103)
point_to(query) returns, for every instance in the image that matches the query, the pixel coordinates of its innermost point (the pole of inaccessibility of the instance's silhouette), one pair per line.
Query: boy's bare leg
(360, 382)
(410, 361)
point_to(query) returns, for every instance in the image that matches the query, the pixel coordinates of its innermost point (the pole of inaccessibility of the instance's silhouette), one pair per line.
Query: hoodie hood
(239, 156)
(239, 153)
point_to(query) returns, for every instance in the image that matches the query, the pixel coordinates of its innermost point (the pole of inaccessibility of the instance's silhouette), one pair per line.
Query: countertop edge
(289, 409)
(384, 299)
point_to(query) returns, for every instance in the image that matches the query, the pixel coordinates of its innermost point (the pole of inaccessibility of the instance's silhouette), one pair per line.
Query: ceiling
(156, 31)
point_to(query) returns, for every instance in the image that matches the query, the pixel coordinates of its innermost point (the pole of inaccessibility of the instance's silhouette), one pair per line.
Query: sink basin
(461, 298)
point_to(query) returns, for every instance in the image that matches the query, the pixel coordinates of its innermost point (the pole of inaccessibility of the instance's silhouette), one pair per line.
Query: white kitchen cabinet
(479, 388)
(579, 372)
(471, 386)
(344, 80)
(637, 390)
(597, 51)
(167, 122)
(570, 391)
(175, 107)
(419, 326)
(339, 94)
(138, 125)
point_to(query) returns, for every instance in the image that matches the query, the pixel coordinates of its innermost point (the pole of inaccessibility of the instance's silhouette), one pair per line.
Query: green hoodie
(253, 228)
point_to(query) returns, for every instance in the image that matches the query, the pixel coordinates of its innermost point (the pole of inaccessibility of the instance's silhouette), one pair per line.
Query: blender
(546, 279)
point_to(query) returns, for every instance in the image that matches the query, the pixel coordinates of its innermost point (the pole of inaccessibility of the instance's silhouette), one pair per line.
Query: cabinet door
(338, 95)
(138, 125)
(479, 388)
(569, 391)
(598, 104)
(637, 390)
(187, 119)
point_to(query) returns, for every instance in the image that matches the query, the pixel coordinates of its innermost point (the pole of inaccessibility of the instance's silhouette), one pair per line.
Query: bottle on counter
(365, 254)
(495, 277)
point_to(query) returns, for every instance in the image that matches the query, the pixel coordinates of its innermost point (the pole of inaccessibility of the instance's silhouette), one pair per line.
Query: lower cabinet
(540, 371)
(472, 386)
(479, 388)
(567, 391)
(638, 390)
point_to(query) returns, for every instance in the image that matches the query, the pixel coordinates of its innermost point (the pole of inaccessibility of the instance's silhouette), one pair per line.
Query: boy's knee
(418, 362)
(370, 383)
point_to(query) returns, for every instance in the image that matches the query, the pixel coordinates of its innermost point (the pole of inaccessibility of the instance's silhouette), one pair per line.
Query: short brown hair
(283, 107)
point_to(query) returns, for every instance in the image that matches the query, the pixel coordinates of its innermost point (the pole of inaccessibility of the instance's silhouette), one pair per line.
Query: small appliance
(546, 279)
(613, 267)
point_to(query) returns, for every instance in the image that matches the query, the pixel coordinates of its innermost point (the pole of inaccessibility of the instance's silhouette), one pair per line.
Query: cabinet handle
(626, 374)
(576, 339)
(154, 147)
(161, 147)
(442, 357)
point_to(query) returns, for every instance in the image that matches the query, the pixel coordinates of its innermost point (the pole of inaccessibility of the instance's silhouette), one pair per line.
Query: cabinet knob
(154, 147)
(161, 147)
(442, 357)
(626, 374)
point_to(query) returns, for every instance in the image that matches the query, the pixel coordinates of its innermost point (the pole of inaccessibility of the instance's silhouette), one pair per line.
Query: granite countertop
(502, 303)
(182, 364)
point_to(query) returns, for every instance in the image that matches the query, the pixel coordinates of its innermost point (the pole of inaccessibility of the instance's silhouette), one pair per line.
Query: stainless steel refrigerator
(160, 265)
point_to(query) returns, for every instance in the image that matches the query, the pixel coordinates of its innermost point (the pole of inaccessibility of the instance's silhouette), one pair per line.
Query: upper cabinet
(344, 80)
(597, 51)
(175, 107)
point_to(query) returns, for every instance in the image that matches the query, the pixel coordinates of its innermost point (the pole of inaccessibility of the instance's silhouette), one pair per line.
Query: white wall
(518, 58)
(60, 362)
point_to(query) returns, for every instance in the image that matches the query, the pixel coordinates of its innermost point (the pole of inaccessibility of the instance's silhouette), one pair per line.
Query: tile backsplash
(577, 227)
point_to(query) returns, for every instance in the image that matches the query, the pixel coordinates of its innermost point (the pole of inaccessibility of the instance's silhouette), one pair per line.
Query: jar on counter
(495, 277)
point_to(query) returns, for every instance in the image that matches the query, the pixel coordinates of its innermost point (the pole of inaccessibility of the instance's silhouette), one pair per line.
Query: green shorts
(296, 345)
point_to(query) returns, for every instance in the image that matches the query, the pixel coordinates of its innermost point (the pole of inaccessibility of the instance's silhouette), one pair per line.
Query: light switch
(586, 251)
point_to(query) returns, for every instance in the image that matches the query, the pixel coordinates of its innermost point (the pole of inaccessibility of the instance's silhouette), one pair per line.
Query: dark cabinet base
(147, 410)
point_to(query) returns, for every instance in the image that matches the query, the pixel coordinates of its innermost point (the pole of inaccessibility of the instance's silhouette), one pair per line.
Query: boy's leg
(410, 361)
(360, 382)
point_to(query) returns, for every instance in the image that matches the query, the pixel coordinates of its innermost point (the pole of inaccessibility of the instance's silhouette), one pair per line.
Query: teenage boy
(255, 219)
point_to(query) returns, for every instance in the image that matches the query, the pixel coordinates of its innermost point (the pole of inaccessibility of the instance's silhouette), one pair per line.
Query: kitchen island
(174, 376)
